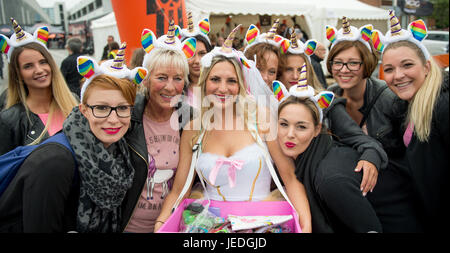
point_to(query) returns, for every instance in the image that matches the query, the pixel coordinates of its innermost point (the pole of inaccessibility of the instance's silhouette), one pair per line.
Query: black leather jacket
(18, 129)
(385, 119)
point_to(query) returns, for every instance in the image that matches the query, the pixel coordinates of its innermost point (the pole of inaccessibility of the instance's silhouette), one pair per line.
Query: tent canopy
(101, 29)
(317, 14)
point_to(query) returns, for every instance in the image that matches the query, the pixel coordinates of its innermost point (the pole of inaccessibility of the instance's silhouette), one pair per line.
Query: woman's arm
(181, 175)
(372, 157)
(295, 190)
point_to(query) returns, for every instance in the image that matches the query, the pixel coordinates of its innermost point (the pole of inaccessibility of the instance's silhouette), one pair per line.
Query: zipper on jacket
(134, 209)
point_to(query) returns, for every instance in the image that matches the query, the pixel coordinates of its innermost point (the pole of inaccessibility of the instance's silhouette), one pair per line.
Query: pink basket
(241, 208)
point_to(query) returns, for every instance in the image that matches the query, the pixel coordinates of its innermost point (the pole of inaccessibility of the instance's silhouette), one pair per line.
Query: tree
(440, 13)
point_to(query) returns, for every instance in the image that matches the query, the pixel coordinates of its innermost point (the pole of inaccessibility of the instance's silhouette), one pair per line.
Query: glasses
(352, 65)
(103, 111)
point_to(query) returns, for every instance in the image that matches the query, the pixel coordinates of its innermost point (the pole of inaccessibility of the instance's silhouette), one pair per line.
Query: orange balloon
(155, 15)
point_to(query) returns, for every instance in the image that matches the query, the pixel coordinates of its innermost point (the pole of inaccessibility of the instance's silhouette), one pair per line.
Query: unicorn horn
(228, 44)
(346, 26)
(294, 43)
(395, 24)
(190, 23)
(302, 82)
(18, 30)
(271, 33)
(120, 57)
(171, 33)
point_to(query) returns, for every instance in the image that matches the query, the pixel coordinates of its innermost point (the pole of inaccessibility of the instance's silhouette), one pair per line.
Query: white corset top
(243, 176)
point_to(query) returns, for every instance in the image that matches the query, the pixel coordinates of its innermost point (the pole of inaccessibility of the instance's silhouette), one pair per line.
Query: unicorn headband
(21, 37)
(226, 50)
(350, 33)
(322, 100)
(254, 37)
(169, 41)
(88, 68)
(416, 33)
(298, 47)
(202, 28)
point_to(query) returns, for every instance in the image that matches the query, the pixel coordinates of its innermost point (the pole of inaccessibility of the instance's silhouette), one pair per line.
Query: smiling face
(110, 129)
(164, 84)
(34, 69)
(296, 129)
(222, 84)
(292, 70)
(404, 71)
(345, 77)
(194, 61)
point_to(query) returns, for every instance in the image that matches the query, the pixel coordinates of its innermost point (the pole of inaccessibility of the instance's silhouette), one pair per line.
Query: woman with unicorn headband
(38, 99)
(323, 165)
(379, 113)
(413, 75)
(233, 148)
(56, 190)
(200, 33)
(265, 49)
(335, 117)
(160, 115)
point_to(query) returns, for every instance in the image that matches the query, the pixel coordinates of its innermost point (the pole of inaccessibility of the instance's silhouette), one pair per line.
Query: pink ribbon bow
(233, 165)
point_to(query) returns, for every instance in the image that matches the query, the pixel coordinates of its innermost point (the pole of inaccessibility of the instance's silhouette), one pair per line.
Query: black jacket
(70, 73)
(384, 121)
(429, 166)
(18, 129)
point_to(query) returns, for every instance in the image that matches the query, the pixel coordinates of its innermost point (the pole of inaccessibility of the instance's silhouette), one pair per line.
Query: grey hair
(74, 44)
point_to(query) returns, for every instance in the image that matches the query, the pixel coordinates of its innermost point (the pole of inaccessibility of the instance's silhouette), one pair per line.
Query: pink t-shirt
(163, 146)
(56, 123)
(407, 136)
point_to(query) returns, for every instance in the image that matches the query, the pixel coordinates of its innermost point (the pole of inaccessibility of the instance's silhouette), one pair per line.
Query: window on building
(60, 7)
(84, 10)
(98, 3)
(78, 14)
(91, 7)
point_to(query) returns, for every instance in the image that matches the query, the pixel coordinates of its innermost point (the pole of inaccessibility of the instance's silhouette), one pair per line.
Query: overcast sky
(49, 3)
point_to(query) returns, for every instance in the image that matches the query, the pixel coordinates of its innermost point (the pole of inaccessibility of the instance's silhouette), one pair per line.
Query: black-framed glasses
(103, 111)
(351, 65)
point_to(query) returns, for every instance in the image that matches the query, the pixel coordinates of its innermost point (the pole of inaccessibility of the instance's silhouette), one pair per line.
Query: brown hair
(124, 85)
(369, 59)
(307, 102)
(260, 50)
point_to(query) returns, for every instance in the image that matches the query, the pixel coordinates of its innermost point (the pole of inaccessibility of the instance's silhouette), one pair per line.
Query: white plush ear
(418, 29)
(310, 47)
(148, 39)
(280, 91)
(138, 74)
(177, 32)
(204, 26)
(87, 66)
(189, 46)
(252, 33)
(5, 44)
(324, 99)
(41, 35)
(331, 33)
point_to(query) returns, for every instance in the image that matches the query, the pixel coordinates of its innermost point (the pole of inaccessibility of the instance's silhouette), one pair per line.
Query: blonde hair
(420, 109)
(242, 100)
(62, 98)
(166, 57)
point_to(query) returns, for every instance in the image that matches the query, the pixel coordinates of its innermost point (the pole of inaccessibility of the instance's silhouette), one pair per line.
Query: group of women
(366, 155)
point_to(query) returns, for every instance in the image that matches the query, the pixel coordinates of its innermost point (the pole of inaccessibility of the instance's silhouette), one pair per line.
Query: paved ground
(58, 55)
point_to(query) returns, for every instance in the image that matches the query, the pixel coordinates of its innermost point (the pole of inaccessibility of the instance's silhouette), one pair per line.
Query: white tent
(101, 28)
(313, 15)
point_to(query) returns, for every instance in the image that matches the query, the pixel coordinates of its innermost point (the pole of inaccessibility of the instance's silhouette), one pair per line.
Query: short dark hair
(369, 59)
(75, 45)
